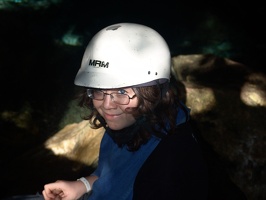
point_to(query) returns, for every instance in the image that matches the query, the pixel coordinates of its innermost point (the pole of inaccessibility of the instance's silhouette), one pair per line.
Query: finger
(45, 196)
(48, 194)
(58, 198)
(57, 191)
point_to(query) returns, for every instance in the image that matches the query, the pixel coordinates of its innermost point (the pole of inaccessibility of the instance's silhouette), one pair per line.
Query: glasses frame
(90, 95)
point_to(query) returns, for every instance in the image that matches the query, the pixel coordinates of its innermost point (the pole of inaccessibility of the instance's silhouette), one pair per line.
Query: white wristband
(86, 183)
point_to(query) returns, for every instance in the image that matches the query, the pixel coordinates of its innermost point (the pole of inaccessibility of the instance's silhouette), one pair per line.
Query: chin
(115, 128)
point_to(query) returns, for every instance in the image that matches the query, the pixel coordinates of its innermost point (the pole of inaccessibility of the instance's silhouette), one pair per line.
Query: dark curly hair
(157, 103)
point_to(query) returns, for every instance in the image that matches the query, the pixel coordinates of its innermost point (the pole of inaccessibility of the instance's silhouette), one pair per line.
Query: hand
(63, 190)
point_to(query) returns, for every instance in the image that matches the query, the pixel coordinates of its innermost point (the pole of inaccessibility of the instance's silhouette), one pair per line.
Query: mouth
(110, 116)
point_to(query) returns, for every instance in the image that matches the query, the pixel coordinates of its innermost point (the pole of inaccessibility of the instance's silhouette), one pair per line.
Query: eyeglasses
(116, 97)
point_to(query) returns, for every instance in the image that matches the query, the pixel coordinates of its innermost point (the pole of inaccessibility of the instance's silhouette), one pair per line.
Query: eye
(122, 91)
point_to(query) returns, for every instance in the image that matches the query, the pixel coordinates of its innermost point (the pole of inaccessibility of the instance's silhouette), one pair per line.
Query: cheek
(134, 102)
(130, 106)
(96, 104)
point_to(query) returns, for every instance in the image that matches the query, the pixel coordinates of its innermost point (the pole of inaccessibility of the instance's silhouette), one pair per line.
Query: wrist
(86, 183)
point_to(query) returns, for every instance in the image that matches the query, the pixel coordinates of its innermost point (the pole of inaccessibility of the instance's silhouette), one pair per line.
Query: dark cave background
(38, 69)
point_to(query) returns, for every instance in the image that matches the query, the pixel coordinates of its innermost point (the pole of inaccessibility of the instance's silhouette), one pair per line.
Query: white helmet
(125, 55)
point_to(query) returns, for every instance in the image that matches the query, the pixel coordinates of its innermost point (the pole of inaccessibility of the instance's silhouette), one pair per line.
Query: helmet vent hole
(113, 28)
(156, 73)
(149, 72)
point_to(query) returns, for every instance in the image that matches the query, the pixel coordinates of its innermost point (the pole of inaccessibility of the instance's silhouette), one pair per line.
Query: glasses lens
(95, 94)
(120, 98)
(117, 98)
(98, 94)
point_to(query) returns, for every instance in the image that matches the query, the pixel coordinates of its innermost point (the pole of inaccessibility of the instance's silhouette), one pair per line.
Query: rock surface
(228, 101)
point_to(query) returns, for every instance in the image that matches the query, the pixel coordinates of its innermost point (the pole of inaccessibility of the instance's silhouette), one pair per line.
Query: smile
(110, 116)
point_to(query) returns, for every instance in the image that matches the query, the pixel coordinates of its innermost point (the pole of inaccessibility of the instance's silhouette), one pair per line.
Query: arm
(67, 190)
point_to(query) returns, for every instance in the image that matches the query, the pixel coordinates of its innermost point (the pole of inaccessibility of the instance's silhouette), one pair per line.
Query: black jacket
(175, 169)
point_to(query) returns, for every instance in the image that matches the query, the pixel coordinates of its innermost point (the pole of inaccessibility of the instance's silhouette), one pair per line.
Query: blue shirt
(118, 167)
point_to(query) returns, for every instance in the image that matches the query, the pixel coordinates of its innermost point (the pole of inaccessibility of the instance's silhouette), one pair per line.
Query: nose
(107, 102)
